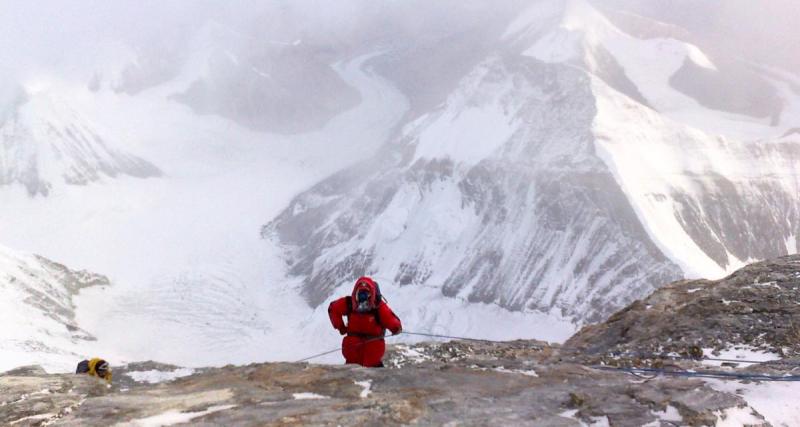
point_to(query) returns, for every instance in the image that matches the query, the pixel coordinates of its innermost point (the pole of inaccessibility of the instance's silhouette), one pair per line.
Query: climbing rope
(422, 334)
(646, 373)
(701, 374)
(700, 359)
(305, 359)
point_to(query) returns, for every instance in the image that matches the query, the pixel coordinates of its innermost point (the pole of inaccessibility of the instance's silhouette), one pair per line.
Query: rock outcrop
(517, 383)
(757, 306)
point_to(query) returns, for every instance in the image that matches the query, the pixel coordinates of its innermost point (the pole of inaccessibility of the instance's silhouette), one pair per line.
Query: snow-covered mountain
(502, 169)
(38, 312)
(46, 142)
(571, 171)
(496, 197)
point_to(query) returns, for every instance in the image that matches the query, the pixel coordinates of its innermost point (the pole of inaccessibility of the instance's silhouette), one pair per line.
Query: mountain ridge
(618, 114)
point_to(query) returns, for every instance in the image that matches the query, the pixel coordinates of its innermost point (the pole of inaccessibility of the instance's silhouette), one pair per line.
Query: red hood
(370, 285)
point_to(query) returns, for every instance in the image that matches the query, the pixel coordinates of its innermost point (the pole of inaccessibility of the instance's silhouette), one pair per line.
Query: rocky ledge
(515, 383)
(477, 383)
(758, 306)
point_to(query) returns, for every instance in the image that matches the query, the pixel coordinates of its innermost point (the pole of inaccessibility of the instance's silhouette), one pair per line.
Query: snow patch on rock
(308, 396)
(155, 376)
(173, 417)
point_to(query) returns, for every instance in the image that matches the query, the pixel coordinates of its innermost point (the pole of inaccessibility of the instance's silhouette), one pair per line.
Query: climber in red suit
(368, 318)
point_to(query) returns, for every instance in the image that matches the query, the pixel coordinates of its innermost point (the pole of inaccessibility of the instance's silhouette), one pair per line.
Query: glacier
(512, 171)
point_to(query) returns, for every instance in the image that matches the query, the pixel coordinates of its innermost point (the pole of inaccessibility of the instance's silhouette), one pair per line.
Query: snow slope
(46, 142)
(775, 400)
(37, 311)
(711, 203)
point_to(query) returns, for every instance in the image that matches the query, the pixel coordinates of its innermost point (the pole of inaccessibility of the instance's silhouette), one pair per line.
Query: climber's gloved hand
(343, 330)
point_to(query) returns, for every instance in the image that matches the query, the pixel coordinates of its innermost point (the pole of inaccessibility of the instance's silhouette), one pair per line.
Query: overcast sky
(73, 37)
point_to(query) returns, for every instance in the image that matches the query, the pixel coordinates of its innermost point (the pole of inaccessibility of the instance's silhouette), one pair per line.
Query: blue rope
(634, 371)
(715, 359)
(305, 359)
(394, 336)
(701, 374)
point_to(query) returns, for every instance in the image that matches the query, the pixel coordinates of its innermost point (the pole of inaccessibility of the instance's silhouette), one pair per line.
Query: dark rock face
(608, 69)
(288, 90)
(735, 88)
(755, 306)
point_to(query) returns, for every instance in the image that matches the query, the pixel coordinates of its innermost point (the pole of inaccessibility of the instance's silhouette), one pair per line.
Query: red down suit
(368, 318)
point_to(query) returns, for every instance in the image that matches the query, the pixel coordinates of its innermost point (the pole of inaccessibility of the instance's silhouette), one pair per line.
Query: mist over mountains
(518, 167)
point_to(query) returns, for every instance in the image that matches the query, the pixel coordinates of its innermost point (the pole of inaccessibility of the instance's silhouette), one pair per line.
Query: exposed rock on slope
(475, 384)
(757, 306)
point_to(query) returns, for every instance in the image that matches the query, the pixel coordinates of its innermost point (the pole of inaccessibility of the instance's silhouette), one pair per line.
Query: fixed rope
(653, 372)
(700, 359)
(423, 334)
(700, 374)
(340, 348)
(305, 359)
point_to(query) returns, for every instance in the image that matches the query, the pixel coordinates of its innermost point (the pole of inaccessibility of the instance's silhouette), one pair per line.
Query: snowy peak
(702, 208)
(44, 142)
(574, 32)
(558, 30)
(661, 66)
(551, 15)
(476, 121)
